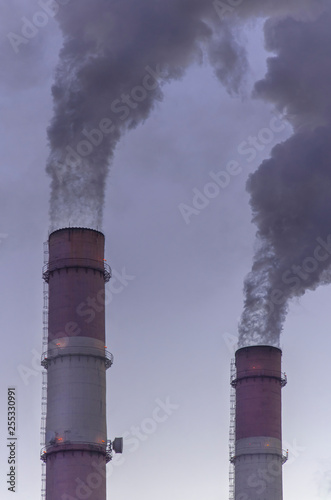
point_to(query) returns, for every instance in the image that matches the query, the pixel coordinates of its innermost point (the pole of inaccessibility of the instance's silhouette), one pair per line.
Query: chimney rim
(263, 346)
(74, 229)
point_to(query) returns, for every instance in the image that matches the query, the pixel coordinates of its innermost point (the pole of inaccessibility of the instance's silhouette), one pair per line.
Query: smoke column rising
(112, 50)
(116, 57)
(290, 192)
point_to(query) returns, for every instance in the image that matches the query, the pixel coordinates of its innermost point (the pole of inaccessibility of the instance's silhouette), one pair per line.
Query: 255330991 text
(12, 439)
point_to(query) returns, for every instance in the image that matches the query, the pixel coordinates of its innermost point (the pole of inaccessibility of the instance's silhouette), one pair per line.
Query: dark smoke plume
(291, 191)
(116, 56)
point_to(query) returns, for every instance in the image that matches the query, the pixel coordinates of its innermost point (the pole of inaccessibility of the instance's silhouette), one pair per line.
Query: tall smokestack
(76, 448)
(258, 457)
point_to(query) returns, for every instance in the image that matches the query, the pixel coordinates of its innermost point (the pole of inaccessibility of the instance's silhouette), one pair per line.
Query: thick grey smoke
(115, 59)
(116, 56)
(291, 192)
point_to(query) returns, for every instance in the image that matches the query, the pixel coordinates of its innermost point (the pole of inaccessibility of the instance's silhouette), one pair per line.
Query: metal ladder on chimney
(44, 377)
(43, 430)
(43, 480)
(232, 430)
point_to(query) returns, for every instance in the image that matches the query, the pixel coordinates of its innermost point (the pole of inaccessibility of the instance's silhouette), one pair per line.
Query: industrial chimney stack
(76, 447)
(258, 455)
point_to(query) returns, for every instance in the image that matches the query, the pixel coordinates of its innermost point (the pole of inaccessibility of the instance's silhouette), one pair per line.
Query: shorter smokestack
(258, 457)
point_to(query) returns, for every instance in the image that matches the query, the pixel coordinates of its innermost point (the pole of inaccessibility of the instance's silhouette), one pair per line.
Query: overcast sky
(173, 326)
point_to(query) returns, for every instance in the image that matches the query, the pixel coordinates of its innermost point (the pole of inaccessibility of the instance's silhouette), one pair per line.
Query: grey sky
(171, 326)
